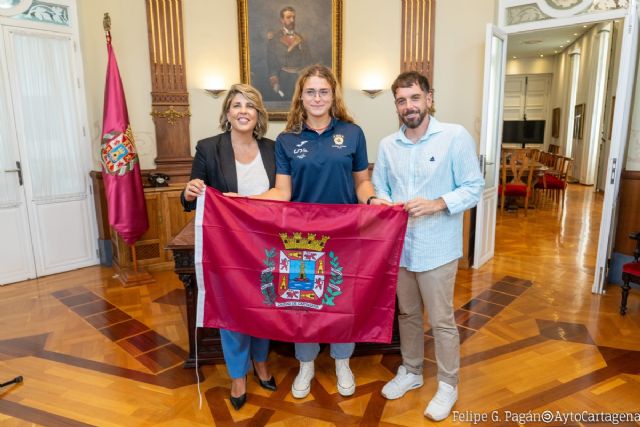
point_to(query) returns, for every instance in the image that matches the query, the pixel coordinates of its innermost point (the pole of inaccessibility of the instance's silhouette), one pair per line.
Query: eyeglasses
(312, 93)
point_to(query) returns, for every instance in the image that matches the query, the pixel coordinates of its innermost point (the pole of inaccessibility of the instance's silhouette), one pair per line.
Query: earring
(227, 125)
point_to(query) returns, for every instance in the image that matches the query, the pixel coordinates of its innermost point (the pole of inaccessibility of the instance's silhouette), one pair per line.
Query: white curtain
(46, 96)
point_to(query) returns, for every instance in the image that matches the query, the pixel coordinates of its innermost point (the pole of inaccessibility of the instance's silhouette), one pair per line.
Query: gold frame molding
(280, 114)
(171, 114)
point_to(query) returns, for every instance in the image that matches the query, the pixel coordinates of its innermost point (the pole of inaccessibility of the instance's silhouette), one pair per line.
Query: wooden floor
(534, 338)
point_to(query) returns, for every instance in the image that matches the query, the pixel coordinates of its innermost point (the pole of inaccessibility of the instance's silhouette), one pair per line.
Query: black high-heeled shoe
(269, 384)
(238, 402)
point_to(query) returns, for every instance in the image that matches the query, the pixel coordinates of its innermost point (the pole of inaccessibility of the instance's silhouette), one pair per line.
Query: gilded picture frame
(272, 54)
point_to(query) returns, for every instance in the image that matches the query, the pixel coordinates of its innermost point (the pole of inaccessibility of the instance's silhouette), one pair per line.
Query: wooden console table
(208, 339)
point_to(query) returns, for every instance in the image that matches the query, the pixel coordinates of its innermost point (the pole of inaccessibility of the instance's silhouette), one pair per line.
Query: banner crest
(305, 275)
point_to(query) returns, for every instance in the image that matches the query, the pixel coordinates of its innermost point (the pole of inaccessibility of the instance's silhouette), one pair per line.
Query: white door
(47, 137)
(16, 255)
(495, 57)
(619, 136)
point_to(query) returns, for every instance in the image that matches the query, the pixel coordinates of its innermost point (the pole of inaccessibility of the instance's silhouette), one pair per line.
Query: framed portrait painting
(279, 38)
(555, 123)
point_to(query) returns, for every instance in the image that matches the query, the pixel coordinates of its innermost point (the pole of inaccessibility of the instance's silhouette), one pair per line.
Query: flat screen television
(523, 131)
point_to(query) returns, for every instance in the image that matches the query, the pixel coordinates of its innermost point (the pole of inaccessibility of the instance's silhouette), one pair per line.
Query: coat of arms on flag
(118, 154)
(305, 275)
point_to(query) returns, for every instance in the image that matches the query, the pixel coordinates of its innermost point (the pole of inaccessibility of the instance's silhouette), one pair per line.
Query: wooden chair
(534, 154)
(630, 273)
(516, 177)
(545, 158)
(556, 181)
(554, 163)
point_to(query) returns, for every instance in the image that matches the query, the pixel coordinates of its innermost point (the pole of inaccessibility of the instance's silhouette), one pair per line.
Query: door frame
(562, 18)
(27, 270)
(69, 30)
(486, 210)
(618, 146)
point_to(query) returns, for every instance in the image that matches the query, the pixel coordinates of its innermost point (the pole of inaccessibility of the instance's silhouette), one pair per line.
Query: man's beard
(413, 123)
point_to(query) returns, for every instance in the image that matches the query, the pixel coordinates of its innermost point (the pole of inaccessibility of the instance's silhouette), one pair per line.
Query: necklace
(318, 129)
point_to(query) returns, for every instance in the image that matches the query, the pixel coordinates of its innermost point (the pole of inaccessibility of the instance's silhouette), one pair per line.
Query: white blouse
(252, 177)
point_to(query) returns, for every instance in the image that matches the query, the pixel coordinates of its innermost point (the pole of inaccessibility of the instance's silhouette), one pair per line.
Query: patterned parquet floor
(534, 339)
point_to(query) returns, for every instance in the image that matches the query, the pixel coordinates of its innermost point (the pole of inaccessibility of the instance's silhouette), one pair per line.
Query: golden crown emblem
(298, 242)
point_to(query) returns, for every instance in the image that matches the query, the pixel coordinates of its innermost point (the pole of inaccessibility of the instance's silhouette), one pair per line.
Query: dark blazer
(215, 164)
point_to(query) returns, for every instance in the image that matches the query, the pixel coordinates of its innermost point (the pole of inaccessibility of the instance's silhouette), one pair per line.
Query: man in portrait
(287, 54)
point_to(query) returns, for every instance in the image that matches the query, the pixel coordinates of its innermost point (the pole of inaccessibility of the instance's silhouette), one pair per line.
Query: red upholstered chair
(555, 180)
(630, 272)
(516, 176)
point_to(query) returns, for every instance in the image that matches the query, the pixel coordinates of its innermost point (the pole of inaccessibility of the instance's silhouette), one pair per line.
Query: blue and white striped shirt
(443, 163)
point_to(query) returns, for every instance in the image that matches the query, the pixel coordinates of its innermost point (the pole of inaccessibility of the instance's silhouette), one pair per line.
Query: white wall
(212, 60)
(531, 65)
(371, 50)
(459, 60)
(560, 95)
(129, 41)
(371, 57)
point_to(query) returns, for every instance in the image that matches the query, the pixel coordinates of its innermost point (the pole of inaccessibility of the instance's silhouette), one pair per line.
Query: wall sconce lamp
(215, 92)
(372, 93)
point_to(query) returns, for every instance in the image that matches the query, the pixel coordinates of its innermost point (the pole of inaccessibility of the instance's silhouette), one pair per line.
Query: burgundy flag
(120, 167)
(299, 272)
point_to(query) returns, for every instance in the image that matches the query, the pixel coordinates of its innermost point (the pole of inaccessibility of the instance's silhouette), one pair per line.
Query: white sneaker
(440, 406)
(346, 380)
(401, 383)
(302, 384)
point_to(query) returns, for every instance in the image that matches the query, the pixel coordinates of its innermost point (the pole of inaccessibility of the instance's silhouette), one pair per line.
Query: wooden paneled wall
(418, 29)
(170, 99)
(628, 212)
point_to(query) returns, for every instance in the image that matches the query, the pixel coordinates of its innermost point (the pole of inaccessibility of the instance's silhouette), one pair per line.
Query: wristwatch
(370, 199)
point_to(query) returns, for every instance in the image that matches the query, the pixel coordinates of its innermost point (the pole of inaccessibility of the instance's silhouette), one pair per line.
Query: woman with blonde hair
(321, 157)
(239, 160)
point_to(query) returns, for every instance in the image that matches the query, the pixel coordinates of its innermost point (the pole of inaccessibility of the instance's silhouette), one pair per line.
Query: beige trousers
(432, 289)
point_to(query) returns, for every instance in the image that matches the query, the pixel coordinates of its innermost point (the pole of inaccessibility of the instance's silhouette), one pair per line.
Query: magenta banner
(120, 166)
(298, 272)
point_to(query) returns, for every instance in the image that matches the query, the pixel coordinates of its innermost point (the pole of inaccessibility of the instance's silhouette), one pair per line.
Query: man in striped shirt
(432, 168)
